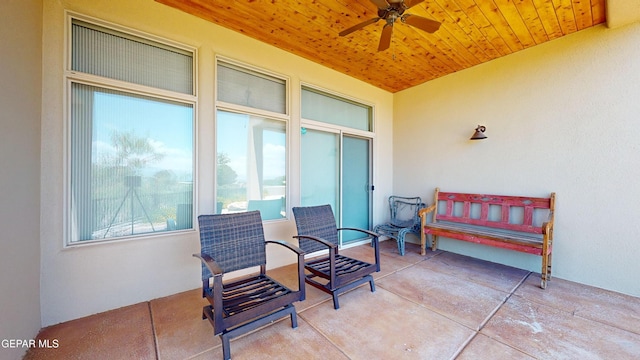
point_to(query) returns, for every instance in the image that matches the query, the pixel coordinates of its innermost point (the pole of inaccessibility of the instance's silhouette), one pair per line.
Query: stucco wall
(84, 280)
(562, 116)
(20, 96)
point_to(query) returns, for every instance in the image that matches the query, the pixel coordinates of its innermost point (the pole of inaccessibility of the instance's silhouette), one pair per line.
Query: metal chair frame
(398, 228)
(231, 242)
(332, 272)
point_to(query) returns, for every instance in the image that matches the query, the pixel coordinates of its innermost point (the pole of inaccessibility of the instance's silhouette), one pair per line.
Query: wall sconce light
(479, 134)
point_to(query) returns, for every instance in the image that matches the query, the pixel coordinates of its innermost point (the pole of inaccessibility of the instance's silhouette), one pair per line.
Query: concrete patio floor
(438, 306)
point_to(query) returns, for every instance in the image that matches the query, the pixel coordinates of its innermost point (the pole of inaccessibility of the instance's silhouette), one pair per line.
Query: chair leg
(401, 234)
(254, 324)
(226, 347)
(351, 285)
(294, 319)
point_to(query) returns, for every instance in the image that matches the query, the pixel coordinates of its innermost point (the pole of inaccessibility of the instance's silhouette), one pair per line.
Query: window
(131, 135)
(251, 119)
(331, 109)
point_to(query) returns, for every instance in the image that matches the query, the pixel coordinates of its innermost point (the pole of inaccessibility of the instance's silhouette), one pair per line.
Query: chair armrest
(211, 264)
(370, 233)
(374, 243)
(289, 246)
(300, 253)
(322, 241)
(212, 293)
(333, 250)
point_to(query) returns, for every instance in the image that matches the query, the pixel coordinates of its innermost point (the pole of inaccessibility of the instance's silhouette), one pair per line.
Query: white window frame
(269, 115)
(71, 76)
(365, 133)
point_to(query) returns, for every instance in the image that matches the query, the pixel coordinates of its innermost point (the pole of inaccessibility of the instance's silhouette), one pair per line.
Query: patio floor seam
(153, 331)
(489, 317)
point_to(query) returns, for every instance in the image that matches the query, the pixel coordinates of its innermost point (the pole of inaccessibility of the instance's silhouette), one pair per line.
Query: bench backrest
(516, 213)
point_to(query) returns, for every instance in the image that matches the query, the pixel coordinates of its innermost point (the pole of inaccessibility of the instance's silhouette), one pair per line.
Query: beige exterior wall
(20, 98)
(83, 280)
(562, 116)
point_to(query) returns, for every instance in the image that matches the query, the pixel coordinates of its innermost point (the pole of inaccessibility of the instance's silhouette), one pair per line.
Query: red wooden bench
(507, 222)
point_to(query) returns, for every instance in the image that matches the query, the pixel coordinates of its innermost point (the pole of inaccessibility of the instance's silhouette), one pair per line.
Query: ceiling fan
(390, 11)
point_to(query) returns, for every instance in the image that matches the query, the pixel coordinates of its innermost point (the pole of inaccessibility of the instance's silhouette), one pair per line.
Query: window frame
(341, 129)
(341, 97)
(250, 111)
(71, 76)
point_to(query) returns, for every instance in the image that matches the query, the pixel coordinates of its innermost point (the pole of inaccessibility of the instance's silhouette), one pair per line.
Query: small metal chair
(231, 242)
(404, 219)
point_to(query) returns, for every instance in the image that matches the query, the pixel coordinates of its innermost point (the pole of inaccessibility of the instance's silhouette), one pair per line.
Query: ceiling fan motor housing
(390, 11)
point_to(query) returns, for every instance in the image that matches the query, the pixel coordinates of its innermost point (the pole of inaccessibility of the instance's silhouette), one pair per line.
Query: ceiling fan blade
(411, 3)
(358, 26)
(381, 4)
(385, 38)
(421, 23)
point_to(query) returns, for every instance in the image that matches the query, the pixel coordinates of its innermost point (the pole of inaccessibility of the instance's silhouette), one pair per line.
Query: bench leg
(546, 270)
(549, 268)
(423, 243)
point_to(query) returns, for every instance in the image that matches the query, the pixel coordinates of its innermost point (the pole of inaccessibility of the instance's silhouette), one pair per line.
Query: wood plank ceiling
(472, 32)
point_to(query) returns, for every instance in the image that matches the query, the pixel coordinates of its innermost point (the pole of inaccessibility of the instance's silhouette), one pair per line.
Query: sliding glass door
(356, 186)
(336, 170)
(336, 138)
(320, 169)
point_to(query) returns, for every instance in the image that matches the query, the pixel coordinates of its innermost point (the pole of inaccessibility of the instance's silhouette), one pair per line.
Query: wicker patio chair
(404, 219)
(332, 273)
(231, 242)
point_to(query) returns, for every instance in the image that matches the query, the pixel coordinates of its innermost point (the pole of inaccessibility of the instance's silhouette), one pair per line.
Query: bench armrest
(423, 221)
(547, 227)
(423, 215)
(424, 211)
